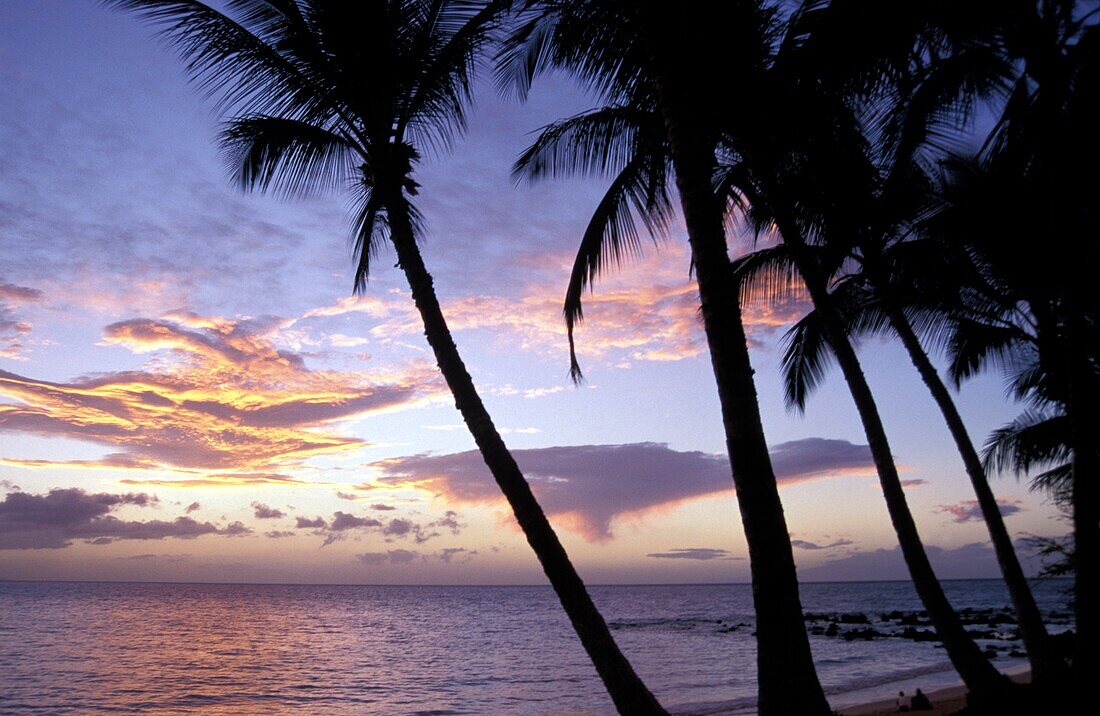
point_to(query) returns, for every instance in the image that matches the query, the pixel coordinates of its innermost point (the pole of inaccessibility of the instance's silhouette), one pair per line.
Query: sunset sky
(188, 390)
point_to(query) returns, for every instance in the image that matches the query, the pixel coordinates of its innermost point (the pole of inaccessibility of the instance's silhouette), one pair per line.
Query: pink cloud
(646, 312)
(970, 511)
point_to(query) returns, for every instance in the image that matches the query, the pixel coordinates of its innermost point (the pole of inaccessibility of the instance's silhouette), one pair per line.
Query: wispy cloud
(971, 511)
(13, 329)
(814, 546)
(701, 554)
(647, 314)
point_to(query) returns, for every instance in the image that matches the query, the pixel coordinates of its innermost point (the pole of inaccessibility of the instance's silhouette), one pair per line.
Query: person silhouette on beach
(902, 701)
(920, 702)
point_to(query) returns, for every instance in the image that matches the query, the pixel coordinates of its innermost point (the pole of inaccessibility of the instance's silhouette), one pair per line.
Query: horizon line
(527, 584)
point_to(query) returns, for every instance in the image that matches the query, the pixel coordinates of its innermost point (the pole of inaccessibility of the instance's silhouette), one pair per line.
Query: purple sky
(187, 390)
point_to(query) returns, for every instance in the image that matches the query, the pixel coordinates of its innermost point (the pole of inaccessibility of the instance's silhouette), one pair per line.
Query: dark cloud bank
(596, 483)
(56, 519)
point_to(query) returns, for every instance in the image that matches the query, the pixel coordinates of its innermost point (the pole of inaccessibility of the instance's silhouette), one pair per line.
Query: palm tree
(895, 277)
(331, 92)
(1034, 319)
(660, 69)
(869, 303)
(1044, 136)
(800, 163)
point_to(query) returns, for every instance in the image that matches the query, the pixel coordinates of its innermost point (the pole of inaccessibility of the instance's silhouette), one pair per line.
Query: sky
(190, 392)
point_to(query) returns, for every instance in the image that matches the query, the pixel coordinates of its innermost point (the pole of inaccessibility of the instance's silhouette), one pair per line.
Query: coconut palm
(801, 163)
(660, 69)
(1038, 320)
(328, 95)
(891, 278)
(1045, 134)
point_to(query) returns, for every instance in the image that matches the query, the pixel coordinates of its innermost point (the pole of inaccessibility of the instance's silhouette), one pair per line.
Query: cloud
(647, 313)
(970, 511)
(277, 534)
(590, 485)
(343, 521)
(54, 520)
(264, 512)
(192, 507)
(382, 508)
(456, 554)
(216, 397)
(14, 330)
(396, 528)
(448, 555)
(970, 561)
(303, 523)
(813, 546)
(11, 293)
(693, 553)
(234, 529)
(916, 482)
(393, 556)
(156, 557)
(533, 393)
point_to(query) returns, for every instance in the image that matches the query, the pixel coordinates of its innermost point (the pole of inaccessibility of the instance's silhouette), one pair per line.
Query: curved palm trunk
(627, 690)
(787, 680)
(1045, 665)
(979, 675)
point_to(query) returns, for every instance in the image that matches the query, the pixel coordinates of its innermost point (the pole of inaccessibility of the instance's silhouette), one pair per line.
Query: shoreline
(946, 700)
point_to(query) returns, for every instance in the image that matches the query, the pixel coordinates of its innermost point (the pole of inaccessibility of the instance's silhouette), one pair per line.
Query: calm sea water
(90, 648)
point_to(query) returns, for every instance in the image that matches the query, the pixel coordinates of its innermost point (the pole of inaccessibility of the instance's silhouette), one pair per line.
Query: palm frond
(769, 274)
(600, 141)
(369, 231)
(1034, 439)
(806, 358)
(231, 64)
(288, 156)
(453, 37)
(612, 236)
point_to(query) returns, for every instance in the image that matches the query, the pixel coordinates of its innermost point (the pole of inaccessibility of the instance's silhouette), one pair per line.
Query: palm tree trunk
(627, 691)
(787, 680)
(1081, 407)
(979, 675)
(1045, 665)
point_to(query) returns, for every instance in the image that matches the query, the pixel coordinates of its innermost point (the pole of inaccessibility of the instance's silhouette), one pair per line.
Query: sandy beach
(944, 701)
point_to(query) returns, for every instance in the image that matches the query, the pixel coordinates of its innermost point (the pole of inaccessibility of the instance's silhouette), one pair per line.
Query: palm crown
(336, 96)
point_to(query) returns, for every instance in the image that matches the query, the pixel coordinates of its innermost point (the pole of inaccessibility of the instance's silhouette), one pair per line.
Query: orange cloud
(216, 396)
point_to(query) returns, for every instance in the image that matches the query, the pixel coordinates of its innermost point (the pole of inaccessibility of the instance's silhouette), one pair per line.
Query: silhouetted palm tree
(889, 278)
(800, 163)
(328, 93)
(870, 303)
(1037, 317)
(1044, 301)
(663, 71)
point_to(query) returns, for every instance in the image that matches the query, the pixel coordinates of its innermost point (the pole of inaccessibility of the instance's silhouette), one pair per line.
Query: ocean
(119, 648)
